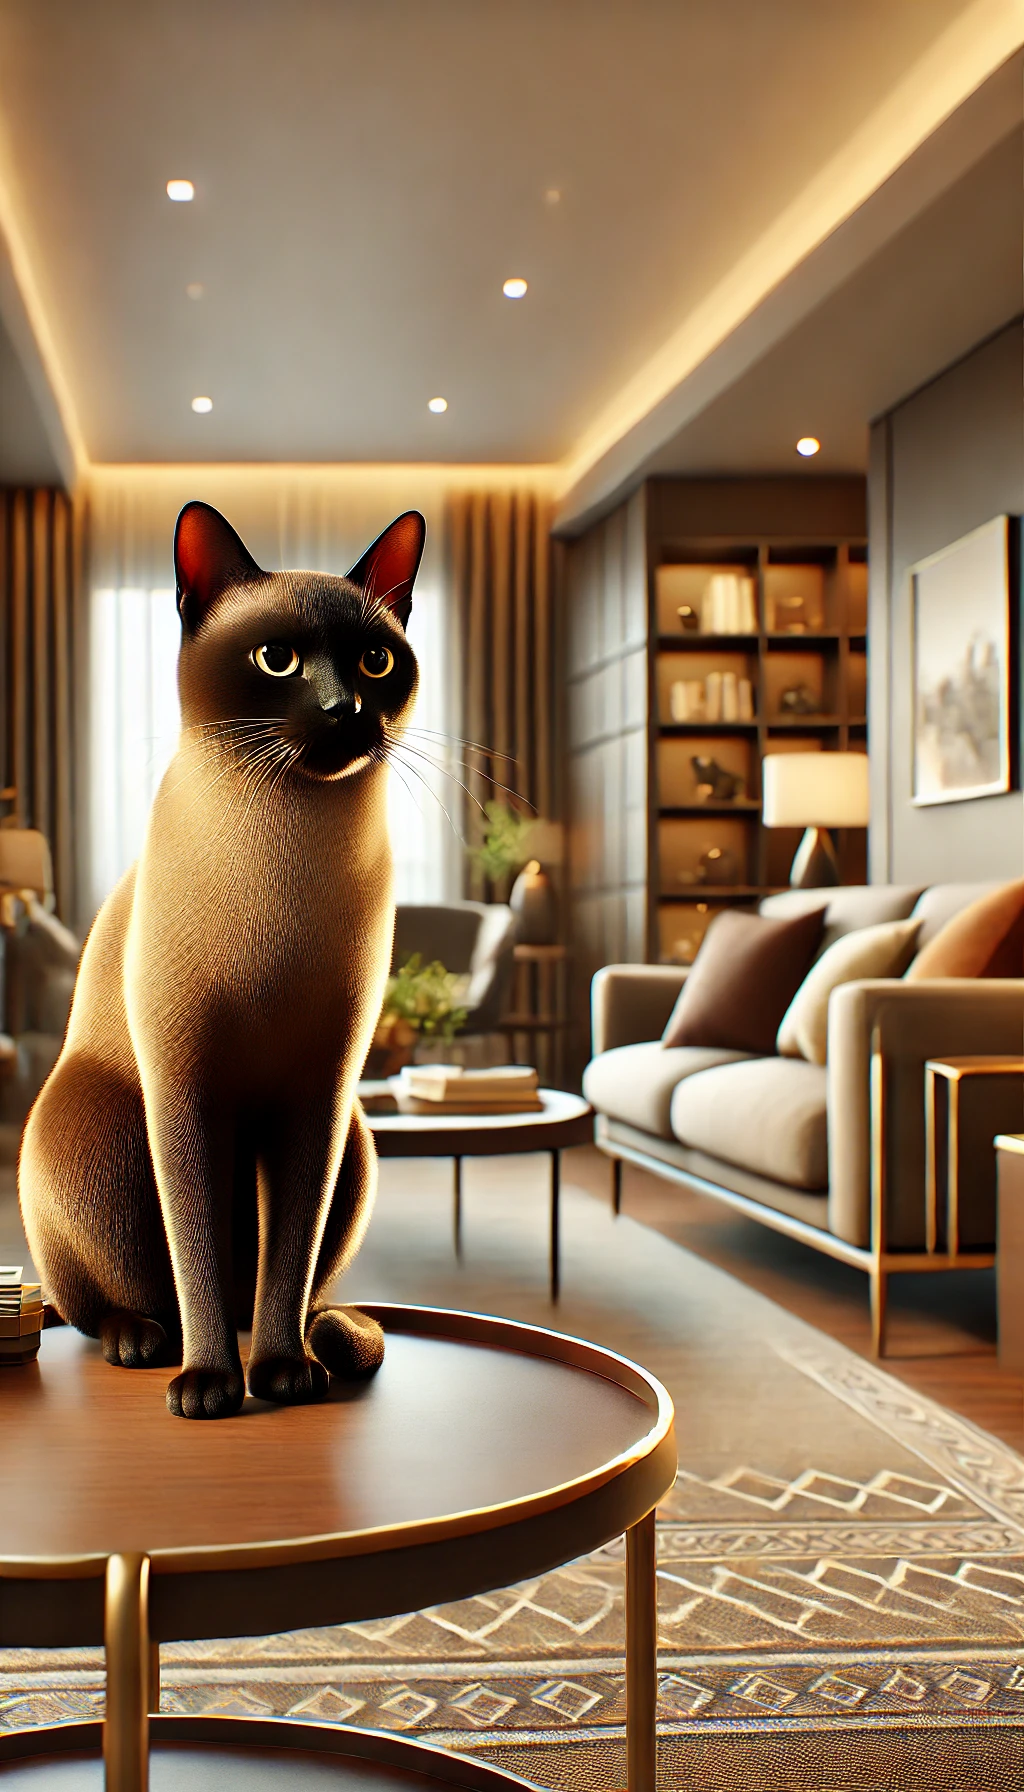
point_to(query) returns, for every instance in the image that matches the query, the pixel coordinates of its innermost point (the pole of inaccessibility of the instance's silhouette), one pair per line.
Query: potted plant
(421, 1002)
(503, 847)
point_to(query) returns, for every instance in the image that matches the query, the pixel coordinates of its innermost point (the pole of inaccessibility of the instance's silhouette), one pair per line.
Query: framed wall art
(962, 669)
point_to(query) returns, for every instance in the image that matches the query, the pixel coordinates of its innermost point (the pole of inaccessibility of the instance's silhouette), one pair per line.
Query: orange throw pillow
(986, 939)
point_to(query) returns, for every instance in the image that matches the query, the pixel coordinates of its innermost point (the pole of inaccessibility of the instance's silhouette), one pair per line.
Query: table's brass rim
(478, 1328)
(285, 1733)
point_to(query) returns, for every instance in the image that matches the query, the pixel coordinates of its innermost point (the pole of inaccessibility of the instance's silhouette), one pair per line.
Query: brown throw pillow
(744, 977)
(986, 939)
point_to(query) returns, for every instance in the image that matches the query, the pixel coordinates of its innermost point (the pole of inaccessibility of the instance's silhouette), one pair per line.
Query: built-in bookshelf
(638, 826)
(758, 647)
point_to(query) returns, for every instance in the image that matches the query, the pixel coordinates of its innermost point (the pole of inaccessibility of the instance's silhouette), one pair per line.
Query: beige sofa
(834, 1156)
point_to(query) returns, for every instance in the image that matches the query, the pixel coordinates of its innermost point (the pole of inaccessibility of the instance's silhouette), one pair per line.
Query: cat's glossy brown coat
(198, 1159)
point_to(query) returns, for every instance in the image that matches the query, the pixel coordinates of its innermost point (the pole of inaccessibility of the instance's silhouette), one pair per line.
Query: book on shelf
(728, 605)
(721, 697)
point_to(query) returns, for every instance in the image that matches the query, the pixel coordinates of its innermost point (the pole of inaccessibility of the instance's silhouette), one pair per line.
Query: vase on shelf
(532, 901)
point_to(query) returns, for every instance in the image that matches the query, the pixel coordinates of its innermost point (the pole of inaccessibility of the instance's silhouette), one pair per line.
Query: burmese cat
(197, 1159)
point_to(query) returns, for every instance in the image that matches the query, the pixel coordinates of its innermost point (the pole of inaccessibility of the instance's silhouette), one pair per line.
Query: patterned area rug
(841, 1562)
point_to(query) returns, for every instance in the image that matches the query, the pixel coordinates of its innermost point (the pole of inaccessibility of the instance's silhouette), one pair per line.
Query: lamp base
(815, 865)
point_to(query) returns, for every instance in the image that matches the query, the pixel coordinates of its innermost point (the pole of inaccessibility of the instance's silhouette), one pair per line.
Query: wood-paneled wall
(605, 632)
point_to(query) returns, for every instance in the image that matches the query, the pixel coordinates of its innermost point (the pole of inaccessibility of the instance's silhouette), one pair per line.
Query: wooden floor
(942, 1328)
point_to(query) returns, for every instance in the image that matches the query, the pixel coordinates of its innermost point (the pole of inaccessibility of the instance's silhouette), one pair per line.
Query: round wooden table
(564, 1121)
(483, 1452)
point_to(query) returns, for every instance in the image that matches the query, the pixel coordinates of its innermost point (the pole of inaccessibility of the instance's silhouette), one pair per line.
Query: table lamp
(815, 791)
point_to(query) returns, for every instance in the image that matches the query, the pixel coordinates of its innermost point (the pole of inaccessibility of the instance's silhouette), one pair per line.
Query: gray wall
(945, 461)
(605, 608)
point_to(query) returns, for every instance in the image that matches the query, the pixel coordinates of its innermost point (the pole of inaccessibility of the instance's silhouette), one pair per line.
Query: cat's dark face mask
(295, 672)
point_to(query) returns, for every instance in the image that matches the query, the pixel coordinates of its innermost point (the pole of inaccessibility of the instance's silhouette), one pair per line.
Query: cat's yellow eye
(276, 658)
(377, 662)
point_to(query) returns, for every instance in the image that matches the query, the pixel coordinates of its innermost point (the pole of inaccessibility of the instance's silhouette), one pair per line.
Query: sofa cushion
(985, 938)
(634, 1083)
(745, 975)
(766, 1115)
(848, 907)
(882, 951)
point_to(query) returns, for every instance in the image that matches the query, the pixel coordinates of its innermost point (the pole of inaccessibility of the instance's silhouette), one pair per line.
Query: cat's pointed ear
(208, 557)
(387, 569)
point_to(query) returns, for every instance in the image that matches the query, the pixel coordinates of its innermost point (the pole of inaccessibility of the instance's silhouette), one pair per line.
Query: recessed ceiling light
(437, 405)
(195, 289)
(808, 445)
(181, 191)
(202, 405)
(514, 288)
(552, 196)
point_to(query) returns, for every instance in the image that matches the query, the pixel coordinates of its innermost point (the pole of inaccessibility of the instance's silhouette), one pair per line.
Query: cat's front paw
(131, 1341)
(349, 1343)
(206, 1393)
(287, 1380)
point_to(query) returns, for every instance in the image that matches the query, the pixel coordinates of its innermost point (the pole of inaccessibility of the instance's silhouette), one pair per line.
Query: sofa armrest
(630, 1003)
(905, 1024)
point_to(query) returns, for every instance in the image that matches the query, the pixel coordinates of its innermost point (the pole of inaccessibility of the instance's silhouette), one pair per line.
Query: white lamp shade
(815, 790)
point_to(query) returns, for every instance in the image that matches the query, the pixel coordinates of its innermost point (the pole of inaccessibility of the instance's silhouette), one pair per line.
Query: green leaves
(504, 846)
(427, 997)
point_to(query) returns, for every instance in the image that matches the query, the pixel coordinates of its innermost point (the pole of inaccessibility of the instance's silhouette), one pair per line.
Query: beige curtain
(39, 584)
(499, 565)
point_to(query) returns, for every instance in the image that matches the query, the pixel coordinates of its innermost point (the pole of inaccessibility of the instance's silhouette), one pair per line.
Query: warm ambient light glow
(181, 191)
(514, 288)
(437, 405)
(195, 289)
(822, 790)
(808, 445)
(202, 405)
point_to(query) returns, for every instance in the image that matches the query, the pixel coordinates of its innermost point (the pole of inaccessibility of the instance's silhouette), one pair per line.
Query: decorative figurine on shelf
(714, 783)
(799, 700)
(717, 865)
(197, 1161)
(689, 621)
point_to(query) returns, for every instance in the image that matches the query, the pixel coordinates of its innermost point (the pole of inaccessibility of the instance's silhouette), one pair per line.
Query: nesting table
(564, 1120)
(483, 1452)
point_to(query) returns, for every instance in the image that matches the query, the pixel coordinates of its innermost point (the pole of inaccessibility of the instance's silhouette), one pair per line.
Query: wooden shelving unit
(629, 797)
(819, 585)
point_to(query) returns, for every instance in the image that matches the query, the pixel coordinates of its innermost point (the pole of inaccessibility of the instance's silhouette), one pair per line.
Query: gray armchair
(473, 939)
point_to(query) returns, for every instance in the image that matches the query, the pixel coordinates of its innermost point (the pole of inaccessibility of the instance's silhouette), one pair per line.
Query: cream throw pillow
(882, 951)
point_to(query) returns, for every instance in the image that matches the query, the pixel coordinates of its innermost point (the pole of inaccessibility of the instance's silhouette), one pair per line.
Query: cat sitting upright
(197, 1160)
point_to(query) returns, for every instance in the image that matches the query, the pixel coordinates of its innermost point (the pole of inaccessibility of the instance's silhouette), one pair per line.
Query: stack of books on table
(448, 1089)
(21, 1317)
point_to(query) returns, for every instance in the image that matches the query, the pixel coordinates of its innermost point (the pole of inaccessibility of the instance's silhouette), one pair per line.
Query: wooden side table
(565, 1120)
(954, 1072)
(536, 1022)
(1010, 1250)
(483, 1452)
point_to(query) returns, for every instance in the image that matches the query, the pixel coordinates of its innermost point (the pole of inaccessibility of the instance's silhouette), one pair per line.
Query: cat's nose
(348, 704)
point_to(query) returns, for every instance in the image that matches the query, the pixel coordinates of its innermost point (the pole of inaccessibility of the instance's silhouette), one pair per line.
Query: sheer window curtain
(309, 518)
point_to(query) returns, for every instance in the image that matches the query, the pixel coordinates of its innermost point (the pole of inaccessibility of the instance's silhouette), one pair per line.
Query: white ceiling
(944, 283)
(368, 173)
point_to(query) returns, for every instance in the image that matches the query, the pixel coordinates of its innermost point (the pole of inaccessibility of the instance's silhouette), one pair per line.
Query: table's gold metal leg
(126, 1635)
(641, 1657)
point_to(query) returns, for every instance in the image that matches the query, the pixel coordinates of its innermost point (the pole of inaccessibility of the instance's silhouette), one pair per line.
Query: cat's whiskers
(233, 759)
(445, 771)
(389, 755)
(394, 764)
(477, 771)
(459, 740)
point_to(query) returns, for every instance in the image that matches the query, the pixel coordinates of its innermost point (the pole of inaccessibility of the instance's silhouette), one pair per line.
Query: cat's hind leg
(92, 1216)
(348, 1343)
